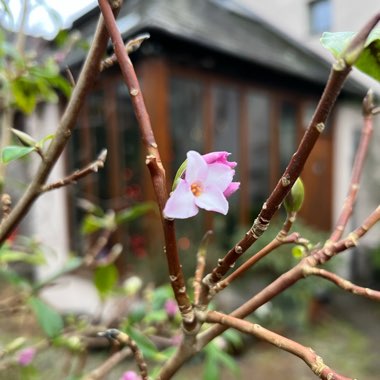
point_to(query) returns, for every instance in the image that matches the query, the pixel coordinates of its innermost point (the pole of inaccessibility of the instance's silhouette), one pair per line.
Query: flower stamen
(196, 189)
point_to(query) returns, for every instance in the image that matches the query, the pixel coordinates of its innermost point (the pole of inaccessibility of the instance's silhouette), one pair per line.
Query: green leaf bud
(293, 201)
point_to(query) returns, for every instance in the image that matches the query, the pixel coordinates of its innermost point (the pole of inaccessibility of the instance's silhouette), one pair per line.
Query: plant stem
(155, 167)
(314, 361)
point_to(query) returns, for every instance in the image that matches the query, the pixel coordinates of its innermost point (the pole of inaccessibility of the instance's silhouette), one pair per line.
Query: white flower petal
(212, 199)
(219, 175)
(181, 204)
(196, 170)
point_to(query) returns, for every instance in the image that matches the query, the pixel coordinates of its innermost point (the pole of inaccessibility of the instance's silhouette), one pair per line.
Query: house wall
(48, 215)
(347, 15)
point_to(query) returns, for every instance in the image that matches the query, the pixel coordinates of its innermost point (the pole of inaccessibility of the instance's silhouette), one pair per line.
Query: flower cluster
(206, 184)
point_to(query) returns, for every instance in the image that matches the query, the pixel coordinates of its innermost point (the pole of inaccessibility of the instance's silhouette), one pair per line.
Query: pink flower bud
(26, 356)
(171, 308)
(130, 375)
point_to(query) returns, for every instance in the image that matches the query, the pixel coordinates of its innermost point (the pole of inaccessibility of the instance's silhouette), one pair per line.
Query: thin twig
(274, 244)
(124, 339)
(73, 177)
(131, 46)
(201, 264)
(156, 169)
(314, 361)
(345, 284)
(357, 170)
(6, 203)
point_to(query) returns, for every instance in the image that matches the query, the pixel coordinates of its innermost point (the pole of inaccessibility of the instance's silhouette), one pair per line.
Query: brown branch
(345, 284)
(328, 251)
(292, 276)
(86, 79)
(338, 75)
(6, 203)
(274, 244)
(155, 167)
(110, 363)
(124, 339)
(357, 170)
(78, 174)
(292, 172)
(314, 361)
(201, 264)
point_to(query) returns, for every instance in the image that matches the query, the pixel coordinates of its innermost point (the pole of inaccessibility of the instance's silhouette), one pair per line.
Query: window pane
(287, 137)
(258, 149)
(187, 133)
(129, 148)
(320, 16)
(226, 131)
(226, 119)
(186, 115)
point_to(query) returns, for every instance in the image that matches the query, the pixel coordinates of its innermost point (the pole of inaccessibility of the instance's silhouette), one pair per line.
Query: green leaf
(215, 359)
(24, 95)
(179, 174)
(155, 316)
(211, 370)
(134, 212)
(10, 256)
(92, 223)
(14, 278)
(368, 60)
(14, 152)
(42, 142)
(49, 319)
(105, 279)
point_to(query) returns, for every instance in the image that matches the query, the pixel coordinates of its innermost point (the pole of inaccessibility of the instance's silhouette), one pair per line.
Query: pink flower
(26, 356)
(221, 158)
(207, 183)
(171, 308)
(130, 375)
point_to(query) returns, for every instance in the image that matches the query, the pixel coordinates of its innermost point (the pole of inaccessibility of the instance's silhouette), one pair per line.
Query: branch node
(320, 127)
(285, 180)
(134, 92)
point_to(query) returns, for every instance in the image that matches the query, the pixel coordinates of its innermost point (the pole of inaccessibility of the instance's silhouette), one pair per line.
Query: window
(258, 152)
(320, 16)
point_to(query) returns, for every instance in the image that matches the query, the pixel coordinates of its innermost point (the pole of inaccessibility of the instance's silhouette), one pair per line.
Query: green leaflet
(368, 60)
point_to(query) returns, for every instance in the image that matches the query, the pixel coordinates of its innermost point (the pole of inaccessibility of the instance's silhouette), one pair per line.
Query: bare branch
(345, 284)
(274, 244)
(314, 361)
(6, 203)
(131, 46)
(156, 169)
(201, 264)
(361, 154)
(124, 339)
(73, 178)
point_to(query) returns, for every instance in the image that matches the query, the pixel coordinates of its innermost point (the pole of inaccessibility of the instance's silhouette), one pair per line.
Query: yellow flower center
(196, 189)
